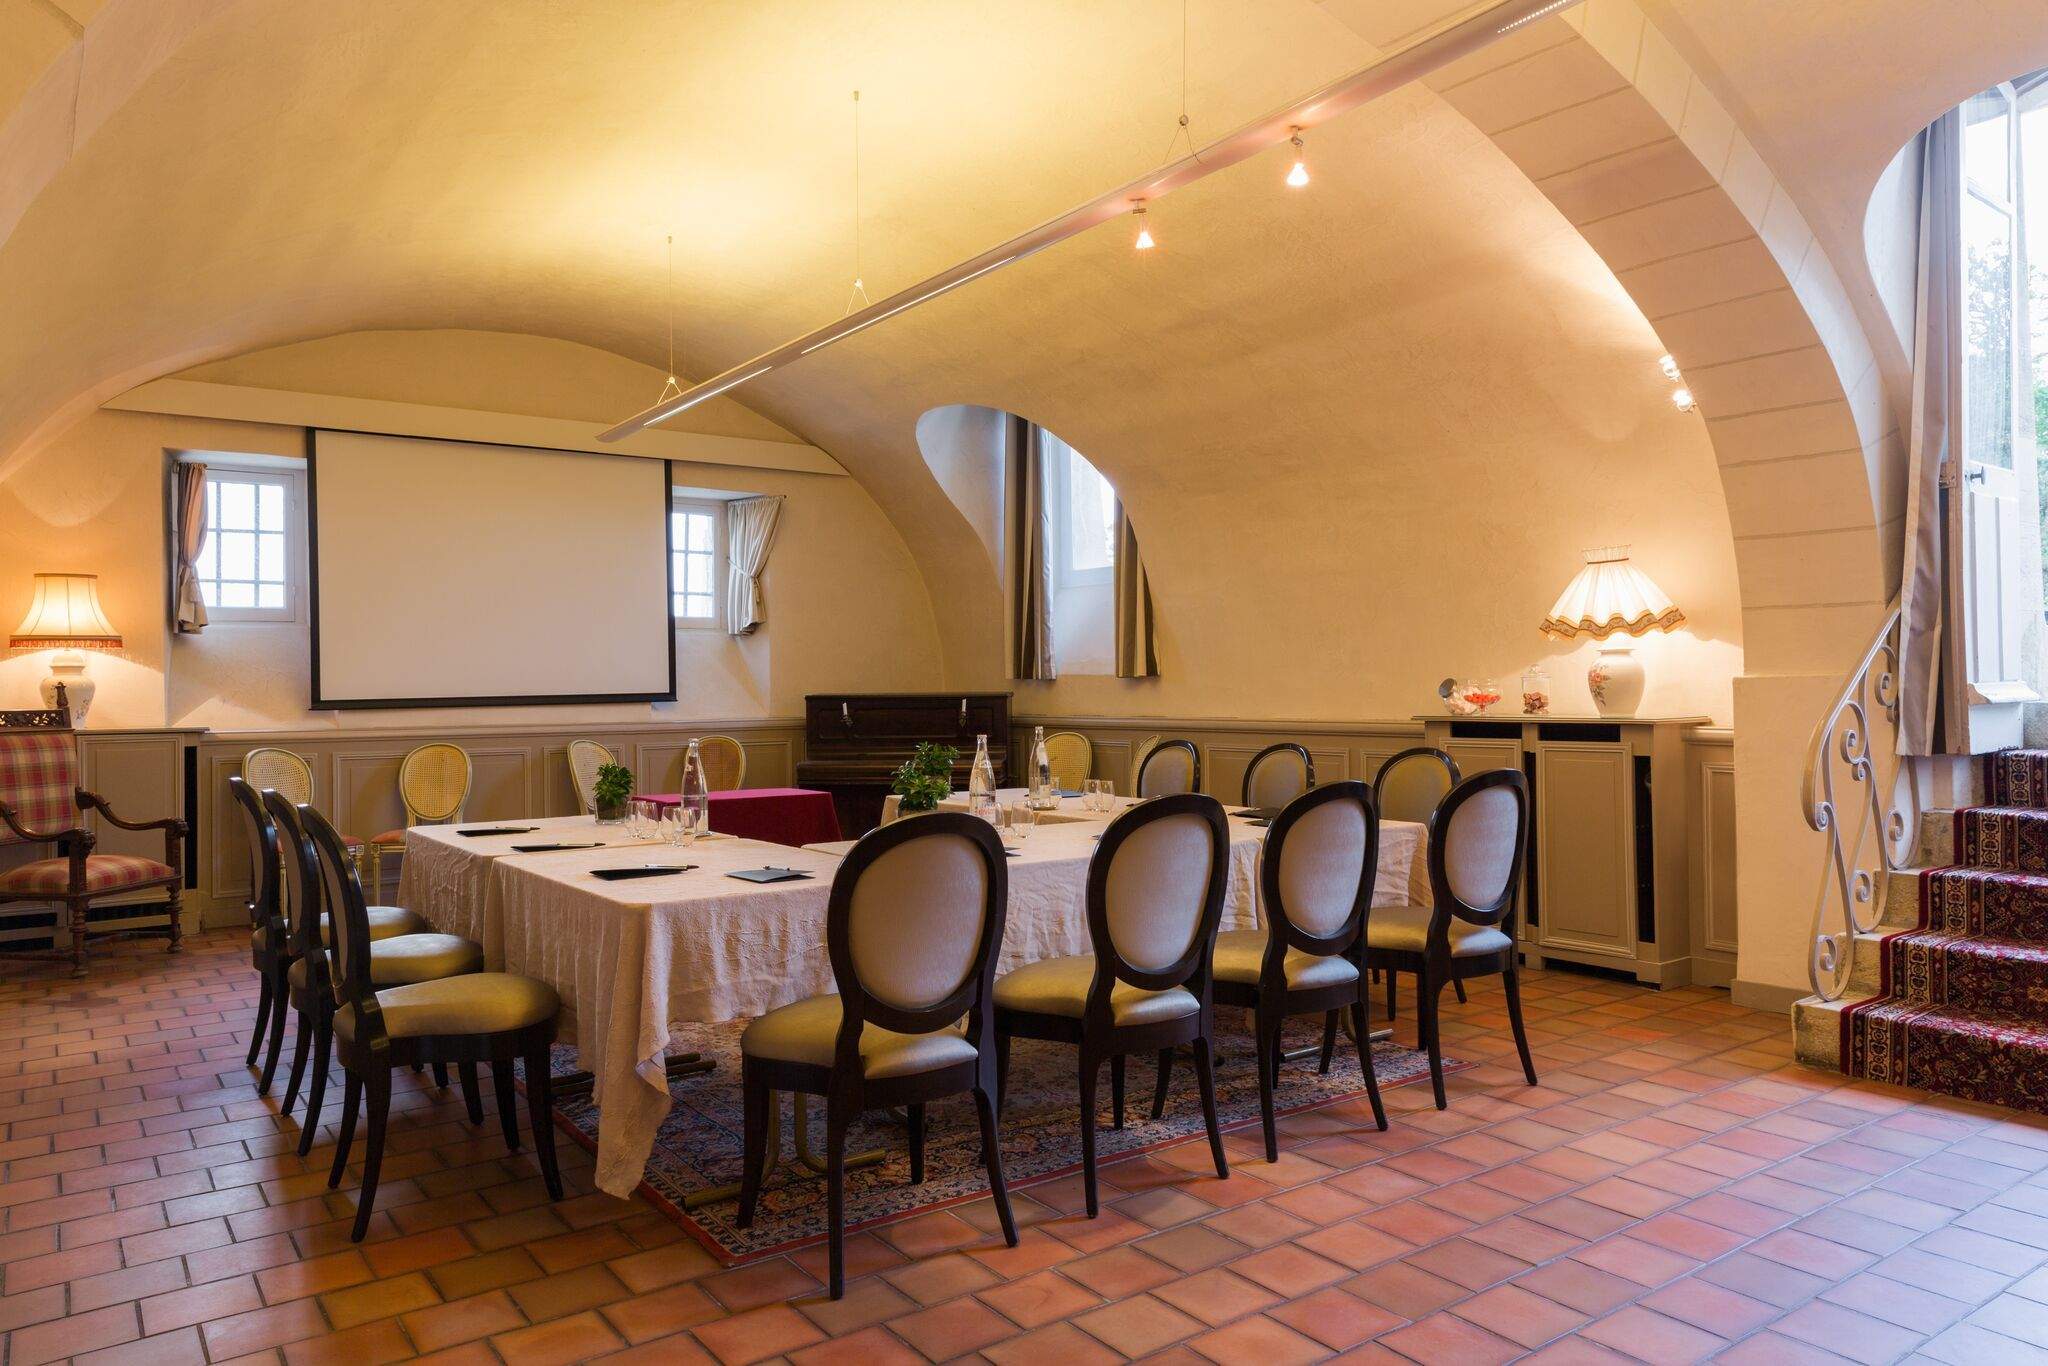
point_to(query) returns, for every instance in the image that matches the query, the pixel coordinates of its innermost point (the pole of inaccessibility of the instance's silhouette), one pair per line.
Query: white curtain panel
(1933, 716)
(749, 535)
(190, 613)
(1136, 655)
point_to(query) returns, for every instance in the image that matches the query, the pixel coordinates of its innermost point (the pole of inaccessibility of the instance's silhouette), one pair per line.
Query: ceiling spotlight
(1682, 400)
(1298, 177)
(1668, 366)
(1144, 242)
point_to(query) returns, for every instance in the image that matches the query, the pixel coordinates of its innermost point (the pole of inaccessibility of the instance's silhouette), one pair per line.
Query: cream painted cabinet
(1607, 877)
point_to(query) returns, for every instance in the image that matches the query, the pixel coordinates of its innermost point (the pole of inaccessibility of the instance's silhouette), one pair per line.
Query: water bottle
(1043, 796)
(696, 793)
(981, 783)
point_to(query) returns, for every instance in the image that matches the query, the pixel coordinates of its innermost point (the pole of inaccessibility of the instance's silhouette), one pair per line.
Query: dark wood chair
(310, 916)
(1410, 785)
(913, 928)
(269, 943)
(1477, 838)
(1168, 769)
(1154, 896)
(1277, 775)
(1315, 890)
(42, 803)
(470, 1018)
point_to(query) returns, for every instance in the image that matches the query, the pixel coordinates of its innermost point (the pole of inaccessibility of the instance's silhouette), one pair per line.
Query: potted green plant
(926, 777)
(610, 793)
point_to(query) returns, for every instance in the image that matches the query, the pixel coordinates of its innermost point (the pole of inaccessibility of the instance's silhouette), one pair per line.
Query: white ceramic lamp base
(1616, 681)
(68, 668)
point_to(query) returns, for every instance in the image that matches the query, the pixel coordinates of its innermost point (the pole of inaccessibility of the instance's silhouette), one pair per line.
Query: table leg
(580, 1083)
(1315, 1050)
(809, 1160)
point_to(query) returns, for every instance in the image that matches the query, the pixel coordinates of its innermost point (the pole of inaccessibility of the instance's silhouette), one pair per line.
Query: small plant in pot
(614, 787)
(926, 777)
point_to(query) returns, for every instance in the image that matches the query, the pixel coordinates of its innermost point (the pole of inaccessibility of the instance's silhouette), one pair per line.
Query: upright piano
(855, 742)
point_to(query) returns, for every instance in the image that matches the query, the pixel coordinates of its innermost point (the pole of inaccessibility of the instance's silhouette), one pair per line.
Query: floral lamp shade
(1611, 597)
(65, 615)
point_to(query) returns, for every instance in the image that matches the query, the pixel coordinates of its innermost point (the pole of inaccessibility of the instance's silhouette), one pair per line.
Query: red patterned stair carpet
(1964, 1007)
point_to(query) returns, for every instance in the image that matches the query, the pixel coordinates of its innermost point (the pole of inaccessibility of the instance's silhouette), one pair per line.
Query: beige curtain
(749, 535)
(191, 501)
(1933, 715)
(1135, 655)
(1030, 538)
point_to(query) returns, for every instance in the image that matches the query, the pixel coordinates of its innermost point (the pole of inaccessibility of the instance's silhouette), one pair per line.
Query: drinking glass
(1091, 795)
(1023, 820)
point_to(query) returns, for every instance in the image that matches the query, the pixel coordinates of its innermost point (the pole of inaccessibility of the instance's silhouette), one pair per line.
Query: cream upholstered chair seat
(476, 1003)
(410, 958)
(808, 1032)
(1405, 929)
(1241, 953)
(386, 922)
(1059, 986)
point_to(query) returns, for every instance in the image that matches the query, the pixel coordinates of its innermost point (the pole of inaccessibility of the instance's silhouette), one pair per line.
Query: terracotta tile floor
(1676, 1189)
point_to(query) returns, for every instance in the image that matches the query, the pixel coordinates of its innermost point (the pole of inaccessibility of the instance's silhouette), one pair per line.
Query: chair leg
(508, 1106)
(472, 1097)
(262, 1015)
(1427, 993)
(440, 1075)
(1116, 1089)
(300, 1048)
(1002, 1069)
(1329, 1045)
(1159, 1083)
(1511, 980)
(378, 1085)
(540, 1114)
(1458, 985)
(1205, 1074)
(916, 1144)
(174, 910)
(1267, 1033)
(992, 1158)
(1091, 1067)
(77, 938)
(1372, 1075)
(323, 1044)
(279, 998)
(835, 1192)
(754, 1101)
(351, 1103)
(1393, 980)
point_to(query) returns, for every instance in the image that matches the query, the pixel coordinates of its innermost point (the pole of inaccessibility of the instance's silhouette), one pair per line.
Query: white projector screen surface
(446, 573)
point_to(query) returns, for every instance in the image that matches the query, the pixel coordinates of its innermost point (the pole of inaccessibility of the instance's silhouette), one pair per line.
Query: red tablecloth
(782, 815)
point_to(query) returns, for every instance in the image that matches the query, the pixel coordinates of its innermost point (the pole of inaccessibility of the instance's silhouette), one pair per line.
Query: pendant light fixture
(670, 388)
(1144, 242)
(1297, 177)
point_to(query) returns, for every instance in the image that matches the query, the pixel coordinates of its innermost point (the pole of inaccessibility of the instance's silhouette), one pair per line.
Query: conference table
(634, 959)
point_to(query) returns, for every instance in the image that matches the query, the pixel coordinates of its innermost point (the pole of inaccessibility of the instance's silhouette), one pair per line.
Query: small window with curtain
(1084, 517)
(697, 561)
(245, 562)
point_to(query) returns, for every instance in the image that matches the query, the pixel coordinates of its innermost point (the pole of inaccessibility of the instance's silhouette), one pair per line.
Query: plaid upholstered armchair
(42, 803)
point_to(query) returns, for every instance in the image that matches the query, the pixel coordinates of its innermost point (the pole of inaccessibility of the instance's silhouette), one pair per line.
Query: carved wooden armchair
(42, 803)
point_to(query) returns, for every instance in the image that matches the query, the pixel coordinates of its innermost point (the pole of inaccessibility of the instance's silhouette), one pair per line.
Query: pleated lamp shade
(65, 615)
(1610, 596)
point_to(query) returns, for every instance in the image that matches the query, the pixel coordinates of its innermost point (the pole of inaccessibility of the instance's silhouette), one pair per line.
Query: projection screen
(452, 574)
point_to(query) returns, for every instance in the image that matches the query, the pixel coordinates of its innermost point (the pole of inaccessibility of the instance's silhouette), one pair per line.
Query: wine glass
(1023, 820)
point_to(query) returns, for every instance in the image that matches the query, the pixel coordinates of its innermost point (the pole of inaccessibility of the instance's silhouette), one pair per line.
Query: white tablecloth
(633, 958)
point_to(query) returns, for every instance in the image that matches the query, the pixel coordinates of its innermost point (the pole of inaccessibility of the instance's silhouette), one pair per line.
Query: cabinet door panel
(1586, 847)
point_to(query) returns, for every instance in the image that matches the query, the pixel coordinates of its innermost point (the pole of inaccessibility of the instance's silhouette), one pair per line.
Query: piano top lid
(856, 724)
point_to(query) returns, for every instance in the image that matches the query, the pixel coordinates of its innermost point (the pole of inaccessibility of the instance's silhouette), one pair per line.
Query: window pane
(1987, 361)
(209, 593)
(207, 555)
(238, 595)
(700, 532)
(237, 554)
(270, 558)
(698, 577)
(270, 506)
(699, 605)
(270, 595)
(1987, 143)
(237, 506)
(1091, 527)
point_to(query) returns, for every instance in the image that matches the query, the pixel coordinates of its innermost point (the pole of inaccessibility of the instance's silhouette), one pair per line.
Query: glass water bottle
(981, 783)
(696, 793)
(1043, 795)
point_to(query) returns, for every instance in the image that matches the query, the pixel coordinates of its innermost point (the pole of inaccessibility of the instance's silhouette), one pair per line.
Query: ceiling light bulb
(1144, 242)
(1682, 400)
(1298, 177)
(1668, 366)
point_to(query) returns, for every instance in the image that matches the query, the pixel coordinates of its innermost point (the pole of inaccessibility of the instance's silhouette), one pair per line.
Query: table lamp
(65, 616)
(1611, 597)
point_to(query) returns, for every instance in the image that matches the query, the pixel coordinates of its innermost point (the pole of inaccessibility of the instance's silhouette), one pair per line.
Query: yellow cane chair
(586, 757)
(286, 771)
(1072, 758)
(433, 784)
(725, 763)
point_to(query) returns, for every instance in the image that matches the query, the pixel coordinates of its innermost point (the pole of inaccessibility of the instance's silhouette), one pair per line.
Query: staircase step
(1973, 976)
(1997, 1059)
(2011, 838)
(2016, 777)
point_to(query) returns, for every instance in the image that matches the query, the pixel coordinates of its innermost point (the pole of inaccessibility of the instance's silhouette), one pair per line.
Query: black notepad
(1013, 853)
(769, 875)
(550, 848)
(500, 830)
(1257, 815)
(621, 874)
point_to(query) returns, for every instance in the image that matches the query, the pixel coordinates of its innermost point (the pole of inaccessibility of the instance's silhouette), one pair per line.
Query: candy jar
(1536, 691)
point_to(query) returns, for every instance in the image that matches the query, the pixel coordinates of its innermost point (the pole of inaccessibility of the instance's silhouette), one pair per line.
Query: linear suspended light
(1340, 96)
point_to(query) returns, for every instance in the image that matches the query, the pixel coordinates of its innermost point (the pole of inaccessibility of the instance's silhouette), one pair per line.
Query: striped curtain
(189, 612)
(1030, 537)
(1135, 655)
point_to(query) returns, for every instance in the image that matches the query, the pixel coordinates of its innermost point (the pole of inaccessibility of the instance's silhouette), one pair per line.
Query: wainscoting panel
(1710, 764)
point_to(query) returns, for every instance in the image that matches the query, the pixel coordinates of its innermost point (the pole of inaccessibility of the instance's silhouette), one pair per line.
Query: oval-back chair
(1277, 775)
(1169, 768)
